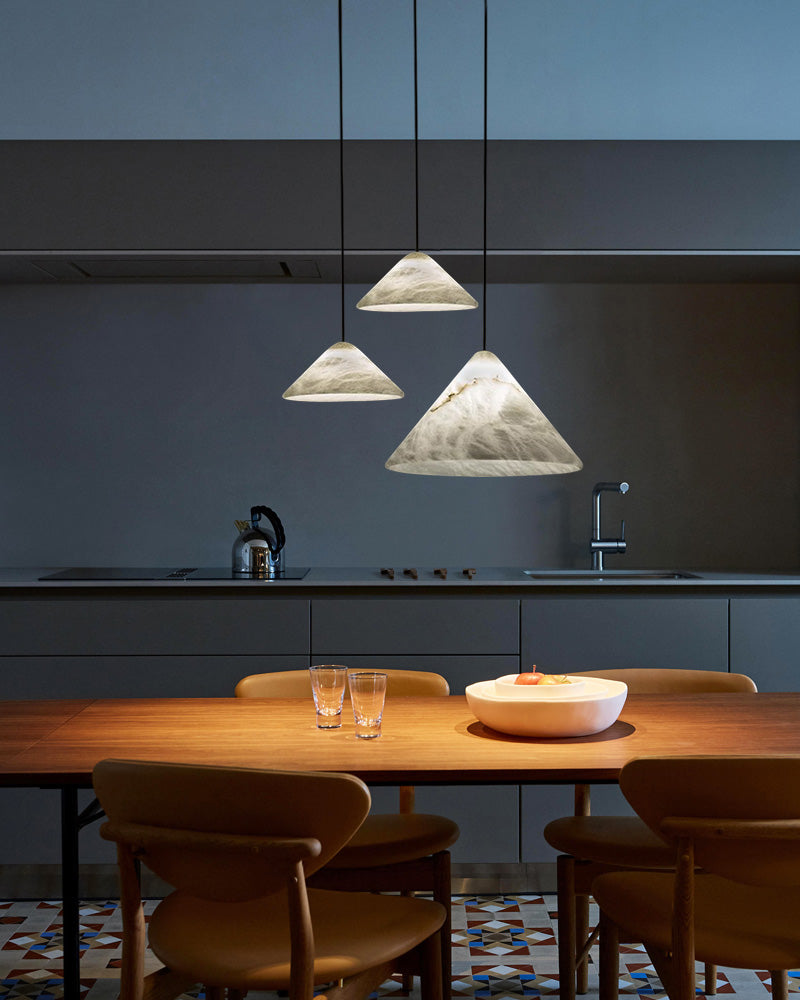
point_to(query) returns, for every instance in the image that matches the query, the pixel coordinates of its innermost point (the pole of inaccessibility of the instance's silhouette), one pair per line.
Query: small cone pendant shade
(417, 284)
(343, 374)
(484, 424)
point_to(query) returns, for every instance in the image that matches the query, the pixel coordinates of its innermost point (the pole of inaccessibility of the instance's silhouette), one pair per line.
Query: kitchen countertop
(369, 580)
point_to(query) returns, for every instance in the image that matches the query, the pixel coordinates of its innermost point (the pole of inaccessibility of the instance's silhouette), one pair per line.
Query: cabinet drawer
(68, 626)
(564, 634)
(133, 676)
(417, 625)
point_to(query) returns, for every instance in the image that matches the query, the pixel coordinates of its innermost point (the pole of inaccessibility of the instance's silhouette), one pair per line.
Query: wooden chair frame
(676, 969)
(133, 841)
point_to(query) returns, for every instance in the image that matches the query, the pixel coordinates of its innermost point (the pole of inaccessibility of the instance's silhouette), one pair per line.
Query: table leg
(69, 893)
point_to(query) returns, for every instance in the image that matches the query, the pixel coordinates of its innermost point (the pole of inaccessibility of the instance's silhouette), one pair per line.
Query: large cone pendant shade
(484, 424)
(417, 284)
(343, 374)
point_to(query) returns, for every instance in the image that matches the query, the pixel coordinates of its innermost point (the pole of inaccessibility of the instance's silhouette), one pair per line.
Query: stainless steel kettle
(258, 552)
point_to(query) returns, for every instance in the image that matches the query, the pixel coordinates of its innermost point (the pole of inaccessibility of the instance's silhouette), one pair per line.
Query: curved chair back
(297, 684)
(675, 680)
(760, 790)
(143, 799)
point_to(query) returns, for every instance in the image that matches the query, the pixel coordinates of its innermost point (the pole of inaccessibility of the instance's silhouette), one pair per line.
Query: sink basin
(608, 574)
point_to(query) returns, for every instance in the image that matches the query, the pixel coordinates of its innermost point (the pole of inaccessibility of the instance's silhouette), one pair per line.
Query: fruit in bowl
(534, 677)
(535, 685)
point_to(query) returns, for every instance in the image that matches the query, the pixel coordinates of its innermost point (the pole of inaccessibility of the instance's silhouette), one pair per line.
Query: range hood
(367, 267)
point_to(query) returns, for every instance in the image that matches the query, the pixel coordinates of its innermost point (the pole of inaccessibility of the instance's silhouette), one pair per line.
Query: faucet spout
(600, 545)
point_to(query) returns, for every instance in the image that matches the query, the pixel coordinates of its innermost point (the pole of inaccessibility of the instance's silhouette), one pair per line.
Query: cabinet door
(165, 625)
(416, 626)
(561, 635)
(463, 639)
(133, 676)
(765, 641)
(487, 816)
(569, 634)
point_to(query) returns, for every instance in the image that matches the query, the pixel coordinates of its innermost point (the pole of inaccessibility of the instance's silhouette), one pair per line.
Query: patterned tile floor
(503, 947)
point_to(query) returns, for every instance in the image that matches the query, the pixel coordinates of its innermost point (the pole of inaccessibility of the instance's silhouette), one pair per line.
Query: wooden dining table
(55, 744)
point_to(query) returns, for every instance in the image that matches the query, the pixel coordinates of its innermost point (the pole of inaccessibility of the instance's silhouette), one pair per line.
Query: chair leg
(581, 935)
(710, 983)
(780, 984)
(442, 893)
(567, 939)
(407, 977)
(431, 982)
(609, 959)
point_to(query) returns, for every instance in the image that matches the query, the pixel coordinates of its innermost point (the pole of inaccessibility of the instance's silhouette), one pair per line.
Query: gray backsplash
(140, 421)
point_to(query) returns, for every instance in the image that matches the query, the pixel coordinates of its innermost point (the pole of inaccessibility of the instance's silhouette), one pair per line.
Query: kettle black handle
(275, 521)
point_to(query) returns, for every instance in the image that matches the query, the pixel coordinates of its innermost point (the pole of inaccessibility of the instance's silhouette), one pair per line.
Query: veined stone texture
(417, 284)
(484, 424)
(343, 374)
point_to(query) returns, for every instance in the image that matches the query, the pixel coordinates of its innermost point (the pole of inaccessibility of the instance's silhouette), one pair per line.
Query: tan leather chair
(736, 819)
(237, 845)
(594, 844)
(403, 851)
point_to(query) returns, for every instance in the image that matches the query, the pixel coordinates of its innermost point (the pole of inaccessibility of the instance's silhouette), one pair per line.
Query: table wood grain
(424, 741)
(24, 723)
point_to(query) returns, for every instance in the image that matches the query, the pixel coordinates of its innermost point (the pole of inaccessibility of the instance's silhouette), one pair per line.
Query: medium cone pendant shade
(417, 284)
(343, 374)
(484, 424)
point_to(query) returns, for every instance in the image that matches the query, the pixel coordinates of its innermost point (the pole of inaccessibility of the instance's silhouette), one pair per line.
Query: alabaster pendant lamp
(343, 373)
(417, 283)
(484, 423)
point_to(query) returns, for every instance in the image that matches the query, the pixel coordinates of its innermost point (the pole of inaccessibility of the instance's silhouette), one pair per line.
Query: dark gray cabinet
(83, 645)
(567, 634)
(561, 635)
(257, 195)
(74, 646)
(765, 641)
(153, 626)
(465, 640)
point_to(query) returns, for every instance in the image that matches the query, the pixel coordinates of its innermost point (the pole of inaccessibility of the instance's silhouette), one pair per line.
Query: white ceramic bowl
(507, 687)
(595, 709)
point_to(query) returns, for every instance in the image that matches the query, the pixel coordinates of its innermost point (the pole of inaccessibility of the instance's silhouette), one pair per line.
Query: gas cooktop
(160, 573)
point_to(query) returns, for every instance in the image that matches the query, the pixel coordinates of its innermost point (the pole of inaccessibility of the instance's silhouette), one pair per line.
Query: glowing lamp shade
(343, 374)
(484, 424)
(417, 284)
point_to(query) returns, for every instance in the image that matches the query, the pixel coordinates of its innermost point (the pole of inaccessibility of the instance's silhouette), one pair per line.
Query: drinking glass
(368, 694)
(327, 685)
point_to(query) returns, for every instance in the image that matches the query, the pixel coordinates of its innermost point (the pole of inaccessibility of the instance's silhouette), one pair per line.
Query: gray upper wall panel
(583, 196)
(268, 69)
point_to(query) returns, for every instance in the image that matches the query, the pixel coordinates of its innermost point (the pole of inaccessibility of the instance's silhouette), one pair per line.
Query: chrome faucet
(599, 545)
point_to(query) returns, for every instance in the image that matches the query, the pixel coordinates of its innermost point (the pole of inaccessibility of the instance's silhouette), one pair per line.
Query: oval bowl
(506, 687)
(592, 712)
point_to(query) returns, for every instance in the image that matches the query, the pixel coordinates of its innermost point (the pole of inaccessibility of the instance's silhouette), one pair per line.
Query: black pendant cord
(416, 137)
(485, 145)
(341, 161)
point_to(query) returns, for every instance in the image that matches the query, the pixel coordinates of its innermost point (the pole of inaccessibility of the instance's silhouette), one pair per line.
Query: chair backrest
(327, 808)
(760, 789)
(297, 684)
(675, 680)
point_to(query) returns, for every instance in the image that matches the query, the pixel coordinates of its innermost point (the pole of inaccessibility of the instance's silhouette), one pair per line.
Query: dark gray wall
(140, 421)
